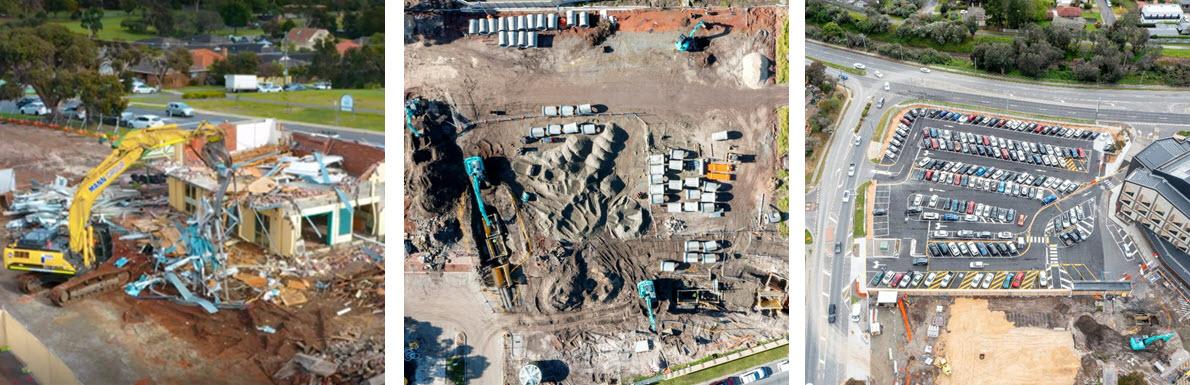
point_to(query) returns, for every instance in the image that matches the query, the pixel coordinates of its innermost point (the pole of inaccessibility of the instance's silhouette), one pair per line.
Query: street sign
(346, 103)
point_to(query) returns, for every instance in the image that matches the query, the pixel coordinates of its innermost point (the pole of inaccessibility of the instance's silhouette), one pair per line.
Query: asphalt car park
(956, 209)
(963, 279)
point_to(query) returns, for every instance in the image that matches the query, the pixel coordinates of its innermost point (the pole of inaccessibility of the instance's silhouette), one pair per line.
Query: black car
(934, 250)
(831, 313)
(879, 212)
(838, 247)
(921, 261)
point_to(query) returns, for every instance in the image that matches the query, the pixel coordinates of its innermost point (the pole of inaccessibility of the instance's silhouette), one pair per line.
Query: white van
(977, 265)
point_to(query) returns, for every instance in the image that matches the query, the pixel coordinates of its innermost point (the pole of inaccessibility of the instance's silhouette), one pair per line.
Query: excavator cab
(687, 42)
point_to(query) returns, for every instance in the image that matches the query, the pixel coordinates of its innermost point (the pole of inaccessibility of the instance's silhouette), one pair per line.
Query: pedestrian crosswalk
(1051, 254)
(1064, 278)
(1037, 239)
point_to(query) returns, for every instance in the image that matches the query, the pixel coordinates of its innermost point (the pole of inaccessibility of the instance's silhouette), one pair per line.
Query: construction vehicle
(724, 168)
(720, 177)
(412, 109)
(1142, 343)
(1144, 319)
(645, 290)
(687, 42)
(73, 260)
(475, 170)
(942, 364)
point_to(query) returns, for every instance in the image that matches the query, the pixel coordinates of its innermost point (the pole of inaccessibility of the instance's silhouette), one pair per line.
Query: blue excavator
(1143, 343)
(474, 166)
(412, 109)
(687, 43)
(645, 290)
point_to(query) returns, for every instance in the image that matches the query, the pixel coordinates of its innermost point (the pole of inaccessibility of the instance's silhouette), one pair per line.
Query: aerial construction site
(593, 195)
(236, 253)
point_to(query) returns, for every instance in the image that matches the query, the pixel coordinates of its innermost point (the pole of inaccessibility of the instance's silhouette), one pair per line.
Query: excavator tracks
(88, 285)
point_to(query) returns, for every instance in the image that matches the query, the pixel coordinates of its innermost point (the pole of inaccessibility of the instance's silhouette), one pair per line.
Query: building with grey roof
(1156, 196)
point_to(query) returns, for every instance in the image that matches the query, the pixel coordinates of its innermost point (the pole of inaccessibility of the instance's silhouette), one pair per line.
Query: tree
(240, 63)
(56, 6)
(326, 62)
(1134, 378)
(102, 95)
(1085, 71)
(362, 67)
(971, 24)
(833, 32)
(320, 18)
(366, 22)
(93, 20)
(177, 60)
(129, 6)
(49, 58)
(162, 19)
(235, 15)
(207, 21)
(993, 57)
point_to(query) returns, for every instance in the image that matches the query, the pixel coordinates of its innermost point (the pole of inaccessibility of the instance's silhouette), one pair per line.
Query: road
(1109, 18)
(374, 138)
(826, 342)
(1152, 112)
(1158, 106)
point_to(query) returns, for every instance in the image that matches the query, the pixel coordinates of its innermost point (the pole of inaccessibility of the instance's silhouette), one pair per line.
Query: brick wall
(357, 157)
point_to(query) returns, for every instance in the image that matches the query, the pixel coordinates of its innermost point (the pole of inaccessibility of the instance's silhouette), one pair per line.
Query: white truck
(239, 83)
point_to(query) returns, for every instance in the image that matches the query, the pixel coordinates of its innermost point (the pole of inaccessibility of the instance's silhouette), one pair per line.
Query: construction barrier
(45, 367)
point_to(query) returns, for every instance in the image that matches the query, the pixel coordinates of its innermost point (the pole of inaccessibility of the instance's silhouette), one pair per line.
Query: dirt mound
(579, 193)
(435, 178)
(595, 274)
(1098, 336)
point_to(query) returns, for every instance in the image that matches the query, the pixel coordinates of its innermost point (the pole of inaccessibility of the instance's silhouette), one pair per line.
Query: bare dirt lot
(575, 214)
(983, 347)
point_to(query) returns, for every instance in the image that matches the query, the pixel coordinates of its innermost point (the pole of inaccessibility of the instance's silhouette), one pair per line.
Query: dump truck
(725, 168)
(720, 177)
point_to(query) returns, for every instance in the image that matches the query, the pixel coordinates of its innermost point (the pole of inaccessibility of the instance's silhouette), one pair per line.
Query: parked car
(831, 313)
(34, 108)
(838, 247)
(294, 87)
(755, 375)
(143, 89)
(859, 66)
(179, 109)
(727, 381)
(121, 120)
(146, 121)
(26, 100)
(75, 112)
(268, 88)
(321, 85)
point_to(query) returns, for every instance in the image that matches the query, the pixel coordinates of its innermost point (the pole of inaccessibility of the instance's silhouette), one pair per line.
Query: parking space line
(1030, 278)
(998, 281)
(967, 281)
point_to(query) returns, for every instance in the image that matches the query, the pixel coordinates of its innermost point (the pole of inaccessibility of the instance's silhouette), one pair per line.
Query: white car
(321, 85)
(35, 108)
(1045, 280)
(75, 112)
(851, 170)
(859, 66)
(879, 74)
(925, 70)
(268, 87)
(846, 196)
(783, 366)
(886, 86)
(143, 89)
(146, 121)
(179, 109)
(755, 375)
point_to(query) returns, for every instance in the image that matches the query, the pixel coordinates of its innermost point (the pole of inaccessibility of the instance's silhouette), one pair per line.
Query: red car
(1016, 281)
(970, 207)
(896, 279)
(1020, 221)
(1039, 129)
(727, 381)
(1081, 153)
(986, 141)
(1003, 153)
(929, 174)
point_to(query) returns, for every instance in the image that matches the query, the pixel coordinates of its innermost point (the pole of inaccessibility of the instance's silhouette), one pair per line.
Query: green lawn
(859, 222)
(112, 32)
(783, 54)
(840, 67)
(196, 89)
(717, 372)
(1181, 53)
(369, 99)
(373, 122)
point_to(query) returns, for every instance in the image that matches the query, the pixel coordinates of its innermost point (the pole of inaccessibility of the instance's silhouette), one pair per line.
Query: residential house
(305, 38)
(343, 45)
(1068, 12)
(202, 59)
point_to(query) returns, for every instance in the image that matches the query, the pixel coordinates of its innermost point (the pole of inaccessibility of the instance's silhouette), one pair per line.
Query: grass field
(371, 122)
(783, 54)
(369, 99)
(840, 67)
(1181, 52)
(718, 372)
(112, 32)
(859, 223)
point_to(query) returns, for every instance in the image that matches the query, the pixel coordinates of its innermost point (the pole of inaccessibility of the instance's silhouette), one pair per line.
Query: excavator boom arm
(126, 151)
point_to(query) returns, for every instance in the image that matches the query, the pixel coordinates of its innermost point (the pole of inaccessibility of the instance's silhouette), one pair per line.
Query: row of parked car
(1000, 148)
(1067, 226)
(985, 184)
(973, 249)
(989, 178)
(972, 234)
(951, 279)
(901, 135)
(1011, 124)
(969, 209)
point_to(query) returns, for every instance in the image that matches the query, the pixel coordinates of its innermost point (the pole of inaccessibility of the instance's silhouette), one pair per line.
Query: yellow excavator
(75, 261)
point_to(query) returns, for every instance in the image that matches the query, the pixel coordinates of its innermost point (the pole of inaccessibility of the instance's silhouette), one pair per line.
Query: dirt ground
(160, 342)
(586, 237)
(1011, 354)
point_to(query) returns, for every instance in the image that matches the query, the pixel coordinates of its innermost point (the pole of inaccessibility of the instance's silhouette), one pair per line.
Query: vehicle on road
(783, 366)
(34, 108)
(755, 375)
(179, 109)
(838, 248)
(925, 70)
(887, 86)
(859, 66)
(294, 87)
(846, 196)
(851, 170)
(879, 75)
(831, 313)
(921, 261)
(146, 121)
(143, 89)
(879, 212)
(268, 88)
(239, 83)
(855, 142)
(977, 265)
(321, 85)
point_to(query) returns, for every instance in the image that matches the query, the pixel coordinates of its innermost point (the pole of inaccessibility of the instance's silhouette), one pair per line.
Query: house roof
(208, 40)
(1069, 12)
(203, 58)
(344, 45)
(162, 42)
(303, 35)
(1161, 152)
